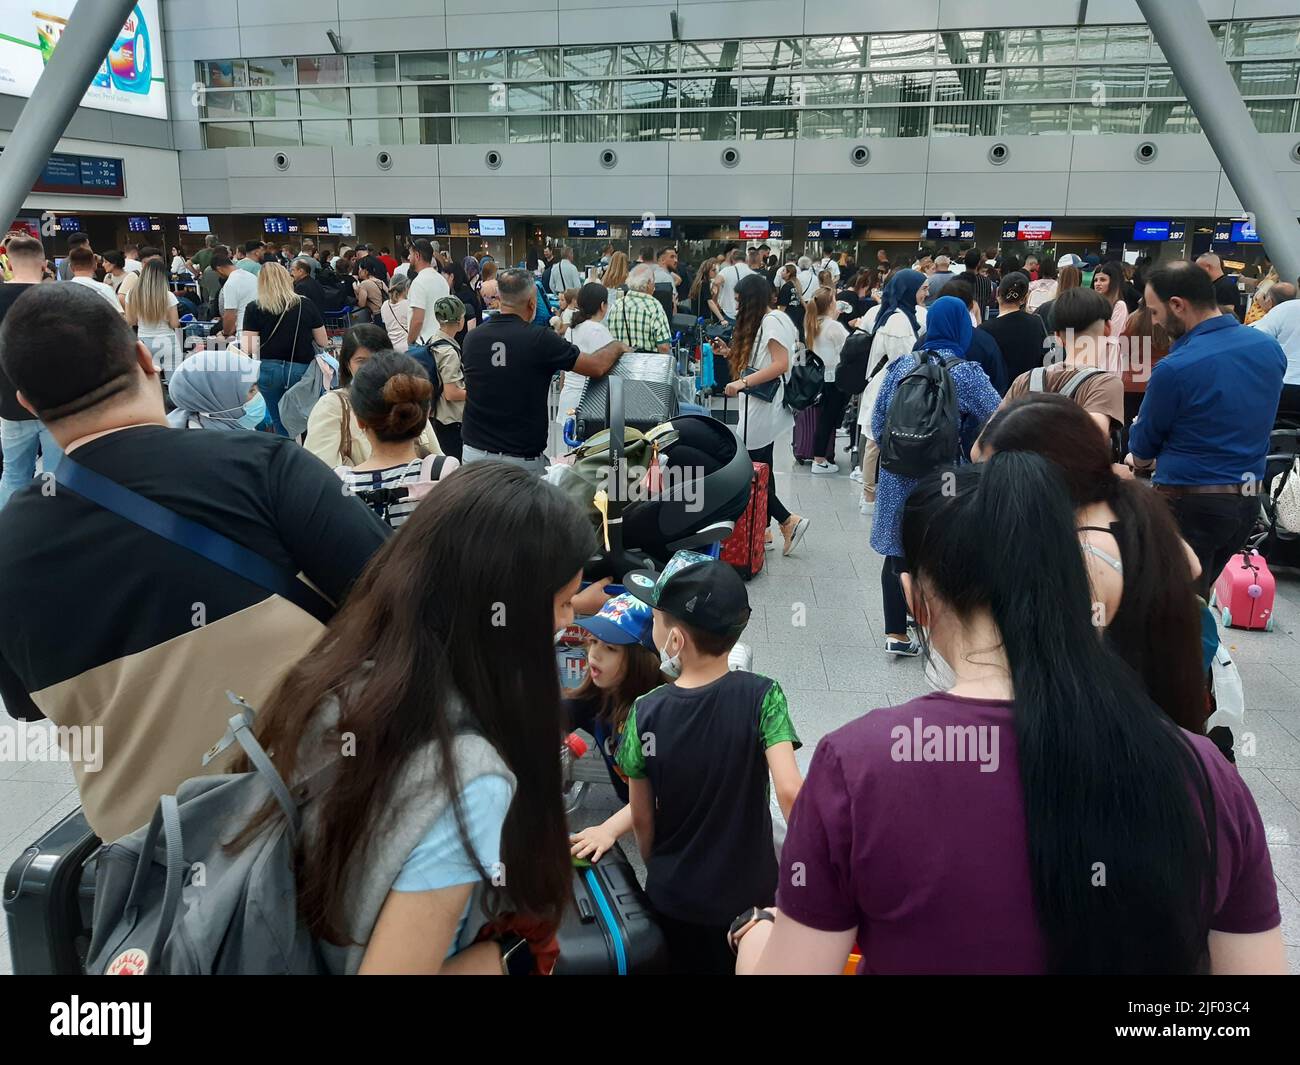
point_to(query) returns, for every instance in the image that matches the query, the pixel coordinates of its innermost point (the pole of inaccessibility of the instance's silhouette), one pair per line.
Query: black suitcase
(49, 899)
(610, 930)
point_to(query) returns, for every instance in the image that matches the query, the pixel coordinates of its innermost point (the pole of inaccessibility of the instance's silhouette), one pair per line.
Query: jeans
(1216, 528)
(20, 442)
(830, 412)
(895, 602)
(274, 379)
(535, 466)
(775, 508)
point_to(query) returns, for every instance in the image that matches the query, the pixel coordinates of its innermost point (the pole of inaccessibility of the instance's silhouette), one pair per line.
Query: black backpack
(851, 375)
(922, 423)
(1038, 383)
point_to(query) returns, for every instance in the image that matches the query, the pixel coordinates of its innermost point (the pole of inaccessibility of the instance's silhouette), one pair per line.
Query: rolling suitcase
(744, 548)
(1245, 592)
(49, 899)
(805, 434)
(609, 930)
(649, 394)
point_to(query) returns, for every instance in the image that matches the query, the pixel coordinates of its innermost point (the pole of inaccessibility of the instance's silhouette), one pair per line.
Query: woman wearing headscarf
(895, 325)
(217, 390)
(472, 272)
(948, 332)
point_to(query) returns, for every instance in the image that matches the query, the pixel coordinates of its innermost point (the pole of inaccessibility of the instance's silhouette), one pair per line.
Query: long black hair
(456, 608)
(1157, 626)
(591, 297)
(1118, 811)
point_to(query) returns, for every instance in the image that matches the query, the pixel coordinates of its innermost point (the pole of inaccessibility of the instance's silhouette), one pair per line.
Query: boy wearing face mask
(697, 753)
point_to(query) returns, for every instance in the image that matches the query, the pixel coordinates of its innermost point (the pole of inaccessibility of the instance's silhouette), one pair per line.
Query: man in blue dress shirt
(1207, 414)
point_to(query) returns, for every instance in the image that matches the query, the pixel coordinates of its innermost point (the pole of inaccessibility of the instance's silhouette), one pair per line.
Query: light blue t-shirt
(440, 860)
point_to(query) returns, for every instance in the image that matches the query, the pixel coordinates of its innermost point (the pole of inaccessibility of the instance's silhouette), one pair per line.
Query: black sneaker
(904, 648)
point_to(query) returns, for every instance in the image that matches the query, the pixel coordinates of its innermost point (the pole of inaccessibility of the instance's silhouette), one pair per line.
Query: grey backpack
(172, 898)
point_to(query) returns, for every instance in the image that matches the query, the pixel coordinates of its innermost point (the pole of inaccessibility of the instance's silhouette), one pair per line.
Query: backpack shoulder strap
(1073, 384)
(432, 466)
(1038, 379)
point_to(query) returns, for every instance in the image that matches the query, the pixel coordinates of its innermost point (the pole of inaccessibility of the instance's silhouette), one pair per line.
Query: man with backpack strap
(1080, 317)
(931, 404)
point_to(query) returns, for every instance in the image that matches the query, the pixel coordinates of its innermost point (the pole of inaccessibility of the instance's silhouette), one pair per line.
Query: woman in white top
(588, 332)
(901, 322)
(761, 350)
(392, 396)
(824, 337)
(152, 309)
(1109, 281)
(333, 433)
(396, 312)
(179, 266)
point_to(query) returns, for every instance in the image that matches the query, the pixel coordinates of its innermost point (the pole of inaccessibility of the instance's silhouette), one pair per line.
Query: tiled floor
(817, 628)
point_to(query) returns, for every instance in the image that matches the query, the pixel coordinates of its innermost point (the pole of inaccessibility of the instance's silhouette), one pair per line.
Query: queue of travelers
(424, 567)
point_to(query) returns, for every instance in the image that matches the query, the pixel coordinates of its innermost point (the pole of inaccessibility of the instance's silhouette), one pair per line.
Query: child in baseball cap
(697, 753)
(622, 665)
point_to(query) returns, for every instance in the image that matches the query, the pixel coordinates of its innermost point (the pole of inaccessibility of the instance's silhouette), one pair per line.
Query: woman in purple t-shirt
(1040, 816)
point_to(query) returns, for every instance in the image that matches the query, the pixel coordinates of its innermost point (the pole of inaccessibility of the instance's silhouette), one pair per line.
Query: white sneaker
(841, 431)
(866, 508)
(856, 475)
(825, 467)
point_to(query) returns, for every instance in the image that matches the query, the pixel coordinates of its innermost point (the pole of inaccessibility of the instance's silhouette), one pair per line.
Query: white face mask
(670, 665)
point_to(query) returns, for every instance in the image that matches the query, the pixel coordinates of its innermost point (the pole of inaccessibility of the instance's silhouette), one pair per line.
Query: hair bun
(404, 388)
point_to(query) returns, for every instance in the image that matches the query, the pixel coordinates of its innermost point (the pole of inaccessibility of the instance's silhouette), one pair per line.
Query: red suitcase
(805, 434)
(1245, 592)
(744, 548)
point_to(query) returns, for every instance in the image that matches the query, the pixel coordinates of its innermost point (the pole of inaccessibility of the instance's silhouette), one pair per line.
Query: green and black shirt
(704, 752)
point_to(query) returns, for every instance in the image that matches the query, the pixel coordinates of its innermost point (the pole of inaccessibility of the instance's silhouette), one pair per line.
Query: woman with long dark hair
(762, 347)
(437, 681)
(704, 292)
(587, 330)
(1141, 572)
(1069, 825)
(1108, 279)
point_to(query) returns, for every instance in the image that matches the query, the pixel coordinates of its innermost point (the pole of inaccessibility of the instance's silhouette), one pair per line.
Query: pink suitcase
(1245, 592)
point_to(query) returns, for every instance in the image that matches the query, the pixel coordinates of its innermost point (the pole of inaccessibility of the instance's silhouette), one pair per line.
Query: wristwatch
(516, 958)
(742, 925)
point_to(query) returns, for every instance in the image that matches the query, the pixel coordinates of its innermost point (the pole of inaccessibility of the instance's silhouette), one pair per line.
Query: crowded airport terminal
(514, 487)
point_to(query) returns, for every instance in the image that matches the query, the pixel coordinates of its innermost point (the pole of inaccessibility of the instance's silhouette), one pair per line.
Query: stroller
(1278, 528)
(695, 486)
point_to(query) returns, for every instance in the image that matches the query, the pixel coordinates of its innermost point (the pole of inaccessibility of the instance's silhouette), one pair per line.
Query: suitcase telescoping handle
(615, 420)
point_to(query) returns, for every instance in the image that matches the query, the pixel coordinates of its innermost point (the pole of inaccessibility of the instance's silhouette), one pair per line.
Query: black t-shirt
(288, 336)
(860, 304)
(508, 366)
(1021, 337)
(10, 409)
(713, 852)
(1226, 293)
(473, 310)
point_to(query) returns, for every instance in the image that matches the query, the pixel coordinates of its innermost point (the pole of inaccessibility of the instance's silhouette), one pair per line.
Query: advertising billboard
(129, 81)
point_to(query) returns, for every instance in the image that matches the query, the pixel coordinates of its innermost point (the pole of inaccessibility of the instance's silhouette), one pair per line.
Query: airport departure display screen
(429, 227)
(1151, 230)
(588, 227)
(82, 175)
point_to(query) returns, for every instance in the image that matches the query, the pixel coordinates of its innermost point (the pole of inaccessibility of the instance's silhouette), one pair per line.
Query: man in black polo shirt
(509, 363)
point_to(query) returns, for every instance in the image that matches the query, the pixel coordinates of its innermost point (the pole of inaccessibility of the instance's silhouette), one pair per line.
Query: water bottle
(573, 748)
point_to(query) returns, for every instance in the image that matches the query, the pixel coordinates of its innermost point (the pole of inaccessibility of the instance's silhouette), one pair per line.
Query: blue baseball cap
(623, 620)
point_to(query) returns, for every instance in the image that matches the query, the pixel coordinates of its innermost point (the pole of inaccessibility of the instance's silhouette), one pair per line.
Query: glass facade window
(590, 62)
(323, 103)
(384, 100)
(1264, 37)
(275, 104)
(836, 53)
(975, 82)
(424, 66)
(276, 134)
(648, 58)
(365, 68)
(376, 131)
(326, 133)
